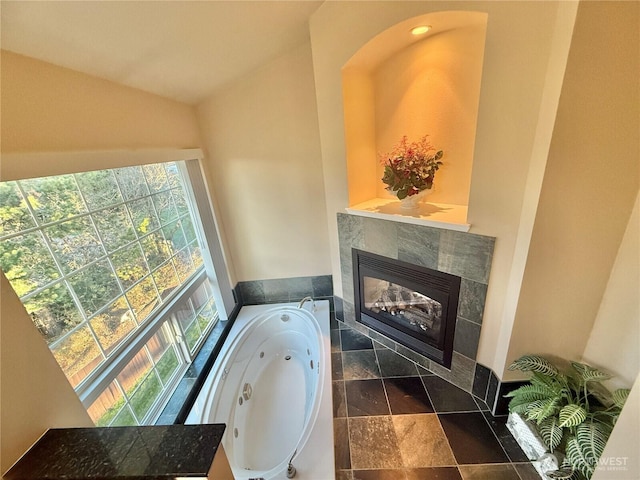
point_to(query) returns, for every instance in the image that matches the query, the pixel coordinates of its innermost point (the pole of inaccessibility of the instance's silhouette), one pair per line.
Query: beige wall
(615, 337)
(360, 134)
(622, 452)
(589, 188)
(35, 394)
(525, 52)
(261, 133)
(50, 108)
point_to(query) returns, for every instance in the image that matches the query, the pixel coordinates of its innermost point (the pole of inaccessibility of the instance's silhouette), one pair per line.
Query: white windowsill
(438, 215)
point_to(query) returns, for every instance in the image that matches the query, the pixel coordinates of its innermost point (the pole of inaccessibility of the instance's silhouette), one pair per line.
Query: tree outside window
(95, 257)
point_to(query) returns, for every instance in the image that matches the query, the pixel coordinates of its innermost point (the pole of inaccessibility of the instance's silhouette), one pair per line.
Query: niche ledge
(438, 215)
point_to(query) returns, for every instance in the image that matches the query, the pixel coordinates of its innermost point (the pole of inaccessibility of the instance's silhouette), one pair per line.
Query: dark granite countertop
(137, 453)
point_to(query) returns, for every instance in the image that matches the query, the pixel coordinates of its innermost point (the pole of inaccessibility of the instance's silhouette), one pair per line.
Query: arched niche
(400, 84)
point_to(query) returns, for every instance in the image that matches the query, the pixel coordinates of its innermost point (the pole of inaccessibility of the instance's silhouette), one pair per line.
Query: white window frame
(61, 163)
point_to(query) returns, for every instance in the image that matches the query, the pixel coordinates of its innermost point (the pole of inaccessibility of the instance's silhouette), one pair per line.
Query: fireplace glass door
(411, 304)
(403, 307)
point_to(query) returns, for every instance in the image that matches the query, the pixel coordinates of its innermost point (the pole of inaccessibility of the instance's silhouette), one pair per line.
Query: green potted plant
(571, 410)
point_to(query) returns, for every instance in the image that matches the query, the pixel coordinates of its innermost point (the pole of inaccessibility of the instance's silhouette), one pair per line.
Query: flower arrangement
(410, 167)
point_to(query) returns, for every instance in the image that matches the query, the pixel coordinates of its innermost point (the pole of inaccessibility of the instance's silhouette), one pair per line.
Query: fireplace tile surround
(459, 253)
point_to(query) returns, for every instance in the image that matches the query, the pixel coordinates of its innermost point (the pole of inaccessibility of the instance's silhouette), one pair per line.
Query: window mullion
(177, 336)
(125, 403)
(64, 279)
(181, 339)
(155, 406)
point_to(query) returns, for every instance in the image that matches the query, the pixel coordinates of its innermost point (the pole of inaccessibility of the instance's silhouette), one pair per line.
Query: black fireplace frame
(440, 286)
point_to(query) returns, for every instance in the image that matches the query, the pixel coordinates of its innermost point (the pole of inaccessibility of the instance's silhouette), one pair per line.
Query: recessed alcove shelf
(438, 215)
(398, 85)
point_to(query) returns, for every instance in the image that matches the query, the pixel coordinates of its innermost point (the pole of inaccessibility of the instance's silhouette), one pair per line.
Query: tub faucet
(308, 299)
(291, 470)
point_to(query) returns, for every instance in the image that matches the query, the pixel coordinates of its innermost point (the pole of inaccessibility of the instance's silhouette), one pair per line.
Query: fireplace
(413, 305)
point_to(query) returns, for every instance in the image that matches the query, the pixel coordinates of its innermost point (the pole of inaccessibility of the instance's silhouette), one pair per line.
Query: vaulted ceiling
(178, 49)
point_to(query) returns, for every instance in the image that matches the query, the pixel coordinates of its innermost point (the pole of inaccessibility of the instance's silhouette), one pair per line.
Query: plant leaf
(532, 392)
(555, 383)
(534, 363)
(590, 374)
(520, 408)
(584, 450)
(592, 438)
(572, 415)
(620, 396)
(527, 394)
(543, 409)
(551, 432)
(578, 459)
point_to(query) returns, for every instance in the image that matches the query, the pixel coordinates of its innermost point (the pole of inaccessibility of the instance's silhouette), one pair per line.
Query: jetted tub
(271, 386)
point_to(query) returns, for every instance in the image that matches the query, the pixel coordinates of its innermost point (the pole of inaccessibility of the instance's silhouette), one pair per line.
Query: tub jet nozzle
(247, 391)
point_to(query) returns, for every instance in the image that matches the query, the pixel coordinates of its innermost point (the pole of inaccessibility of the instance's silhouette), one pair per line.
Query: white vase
(412, 202)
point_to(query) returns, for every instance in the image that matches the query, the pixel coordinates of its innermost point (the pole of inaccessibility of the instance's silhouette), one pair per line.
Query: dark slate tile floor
(394, 420)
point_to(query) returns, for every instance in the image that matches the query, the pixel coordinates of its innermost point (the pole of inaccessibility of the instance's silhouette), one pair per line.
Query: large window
(109, 266)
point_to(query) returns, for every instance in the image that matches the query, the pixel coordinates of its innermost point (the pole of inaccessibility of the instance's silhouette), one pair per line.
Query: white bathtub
(271, 386)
